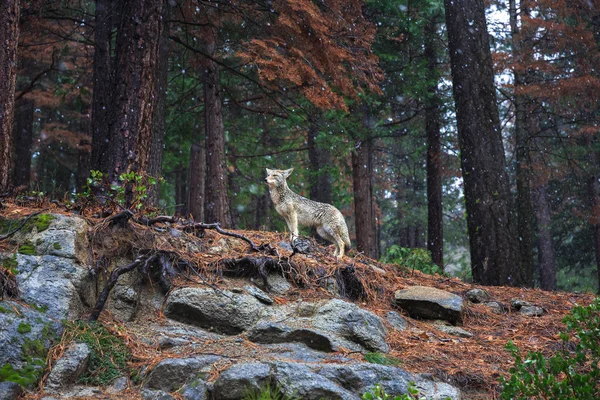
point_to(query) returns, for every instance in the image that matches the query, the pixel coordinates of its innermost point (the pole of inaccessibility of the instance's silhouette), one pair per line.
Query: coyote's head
(277, 177)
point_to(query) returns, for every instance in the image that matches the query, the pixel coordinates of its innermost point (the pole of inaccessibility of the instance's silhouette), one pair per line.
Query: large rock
(361, 377)
(25, 337)
(271, 333)
(352, 323)
(430, 303)
(324, 381)
(237, 381)
(53, 283)
(221, 311)
(10, 391)
(65, 237)
(173, 373)
(70, 366)
(300, 381)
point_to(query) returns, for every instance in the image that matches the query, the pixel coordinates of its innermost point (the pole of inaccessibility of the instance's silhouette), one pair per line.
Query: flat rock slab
(223, 311)
(10, 391)
(430, 303)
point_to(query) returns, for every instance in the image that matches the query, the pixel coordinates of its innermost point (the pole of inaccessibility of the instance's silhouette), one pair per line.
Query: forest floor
(473, 364)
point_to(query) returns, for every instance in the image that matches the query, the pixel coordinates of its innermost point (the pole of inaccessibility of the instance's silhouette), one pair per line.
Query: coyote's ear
(269, 171)
(288, 172)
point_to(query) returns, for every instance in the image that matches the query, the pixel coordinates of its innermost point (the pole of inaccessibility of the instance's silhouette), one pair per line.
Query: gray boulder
(197, 390)
(53, 283)
(430, 303)
(222, 311)
(432, 390)
(70, 366)
(148, 394)
(259, 294)
(532, 311)
(10, 390)
(65, 238)
(173, 373)
(352, 323)
(496, 307)
(25, 336)
(397, 321)
(271, 333)
(300, 381)
(237, 381)
(361, 377)
(477, 296)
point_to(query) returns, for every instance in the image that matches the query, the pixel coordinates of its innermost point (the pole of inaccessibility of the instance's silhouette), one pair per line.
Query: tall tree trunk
(319, 163)
(9, 38)
(216, 207)
(160, 113)
(546, 259)
(493, 244)
(103, 89)
(135, 80)
(435, 225)
(23, 138)
(363, 199)
(197, 178)
(593, 184)
(525, 213)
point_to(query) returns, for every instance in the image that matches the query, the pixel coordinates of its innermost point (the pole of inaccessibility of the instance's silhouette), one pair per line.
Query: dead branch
(142, 260)
(120, 218)
(6, 236)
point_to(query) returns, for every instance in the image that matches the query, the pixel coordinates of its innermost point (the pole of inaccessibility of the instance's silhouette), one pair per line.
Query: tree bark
(160, 113)
(23, 139)
(493, 244)
(593, 184)
(197, 178)
(319, 163)
(525, 213)
(9, 39)
(103, 89)
(135, 80)
(363, 199)
(546, 259)
(435, 225)
(216, 207)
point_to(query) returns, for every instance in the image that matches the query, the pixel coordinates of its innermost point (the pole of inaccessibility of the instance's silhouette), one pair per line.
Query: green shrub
(378, 393)
(382, 359)
(572, 373)
(419, 259)
(109, 353)
(24, 328)
(268, 392)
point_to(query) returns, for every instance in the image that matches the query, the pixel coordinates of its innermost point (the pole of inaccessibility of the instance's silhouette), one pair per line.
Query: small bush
(268, 393)
(419, 259)
(382, 359)
(378, 393)
(573, 373)
(109, 353)
(24, 328)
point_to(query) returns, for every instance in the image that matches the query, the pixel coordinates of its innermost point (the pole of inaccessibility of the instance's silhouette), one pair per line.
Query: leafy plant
(382, 359)
(109, 353)
(419, 259)
(268, 392)
(572, 373)
(378, 393)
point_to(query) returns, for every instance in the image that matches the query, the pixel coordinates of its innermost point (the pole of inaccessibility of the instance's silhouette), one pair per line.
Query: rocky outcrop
(430, 303)
(219, 311)
(270, 333)
(352, 323)
(324, 381)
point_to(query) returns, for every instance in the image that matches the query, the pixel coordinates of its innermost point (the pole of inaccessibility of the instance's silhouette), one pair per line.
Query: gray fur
(298, 210)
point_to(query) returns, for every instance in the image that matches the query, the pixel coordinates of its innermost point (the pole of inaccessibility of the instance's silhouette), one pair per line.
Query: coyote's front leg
(292, 222)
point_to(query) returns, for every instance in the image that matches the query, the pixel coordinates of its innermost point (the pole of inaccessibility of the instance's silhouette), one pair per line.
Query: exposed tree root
(259, 267)
(142, 261)
(8, 284)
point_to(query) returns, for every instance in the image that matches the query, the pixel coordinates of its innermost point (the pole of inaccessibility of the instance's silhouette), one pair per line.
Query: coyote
(296, 209)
